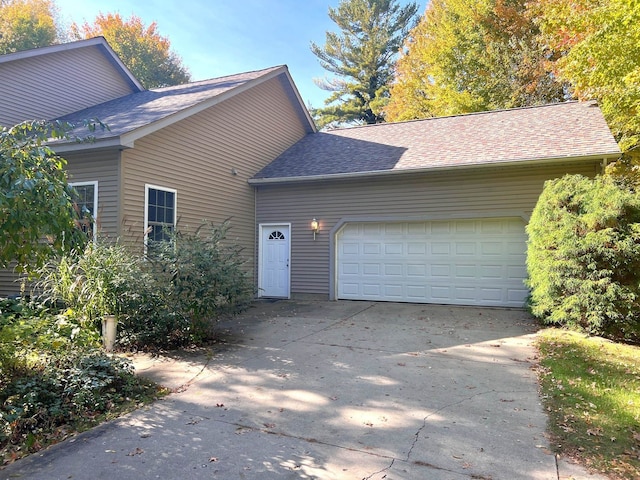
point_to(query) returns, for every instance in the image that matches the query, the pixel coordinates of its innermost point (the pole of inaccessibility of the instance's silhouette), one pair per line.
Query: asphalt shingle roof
(126, 114)
(556, 131)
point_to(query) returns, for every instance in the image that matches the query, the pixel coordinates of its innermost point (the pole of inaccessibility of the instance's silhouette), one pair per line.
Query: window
(86, 201)
(160, 212)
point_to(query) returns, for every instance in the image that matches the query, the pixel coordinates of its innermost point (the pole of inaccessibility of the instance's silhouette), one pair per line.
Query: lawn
(591, 390)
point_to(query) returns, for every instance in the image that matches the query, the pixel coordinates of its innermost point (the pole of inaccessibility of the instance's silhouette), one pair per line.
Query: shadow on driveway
(333, 390)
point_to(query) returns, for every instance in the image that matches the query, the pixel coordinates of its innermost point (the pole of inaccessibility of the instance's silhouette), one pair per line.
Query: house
(429, 211)
(176, 155)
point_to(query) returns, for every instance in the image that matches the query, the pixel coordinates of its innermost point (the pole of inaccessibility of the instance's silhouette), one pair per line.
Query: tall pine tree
(362, 57)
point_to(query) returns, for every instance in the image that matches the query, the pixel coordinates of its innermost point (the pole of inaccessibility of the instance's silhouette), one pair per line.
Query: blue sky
(221, 37)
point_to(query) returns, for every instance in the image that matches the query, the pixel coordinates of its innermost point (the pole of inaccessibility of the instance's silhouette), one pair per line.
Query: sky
(222, 37)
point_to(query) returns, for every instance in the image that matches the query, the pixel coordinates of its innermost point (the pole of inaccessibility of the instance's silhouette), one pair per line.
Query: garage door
(459, 262)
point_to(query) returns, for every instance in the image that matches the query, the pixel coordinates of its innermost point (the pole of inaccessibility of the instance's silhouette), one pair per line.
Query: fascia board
(357, 175)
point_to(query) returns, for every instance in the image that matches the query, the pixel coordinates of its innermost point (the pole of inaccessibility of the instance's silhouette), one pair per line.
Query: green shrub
(191, 281)
(583, 257)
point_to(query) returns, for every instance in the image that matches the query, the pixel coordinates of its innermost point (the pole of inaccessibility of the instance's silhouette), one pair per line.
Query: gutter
(379, 173)
(99, 144)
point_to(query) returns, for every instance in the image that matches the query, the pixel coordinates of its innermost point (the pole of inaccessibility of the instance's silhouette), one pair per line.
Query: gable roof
(99, 42)
(134, 116)
(562, 131)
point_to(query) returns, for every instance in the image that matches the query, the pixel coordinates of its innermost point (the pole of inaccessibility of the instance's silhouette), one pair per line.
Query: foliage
(141, 48)
(93, 282)
(591, 390)
(598, 45)
(583, 256)
(362, 55)
(169, 299)
(26, 24)
(467, 56)
(54, 378)
(36, 202)
(196, 278)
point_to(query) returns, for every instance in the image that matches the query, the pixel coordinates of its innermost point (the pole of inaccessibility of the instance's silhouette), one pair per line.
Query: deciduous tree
(361, 56)
(37, 218)
(473, 55)
(26, 24)
(598, 44)
(141, 48)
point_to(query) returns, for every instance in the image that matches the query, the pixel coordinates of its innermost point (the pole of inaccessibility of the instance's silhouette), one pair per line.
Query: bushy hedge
(168, 299)
(583, 257)
(189, 282)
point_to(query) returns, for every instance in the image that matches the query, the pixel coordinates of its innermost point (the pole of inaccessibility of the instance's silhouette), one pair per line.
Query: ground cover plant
(55, 380)
(591, 390)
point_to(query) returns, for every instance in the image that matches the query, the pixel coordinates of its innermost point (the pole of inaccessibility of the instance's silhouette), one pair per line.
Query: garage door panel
(419, 270)
(464, 262)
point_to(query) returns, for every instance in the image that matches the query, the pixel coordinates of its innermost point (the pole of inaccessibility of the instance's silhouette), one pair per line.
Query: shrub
(583, 257)
(192, 280)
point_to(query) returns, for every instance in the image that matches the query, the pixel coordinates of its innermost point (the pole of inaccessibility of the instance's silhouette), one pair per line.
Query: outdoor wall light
(314, 227)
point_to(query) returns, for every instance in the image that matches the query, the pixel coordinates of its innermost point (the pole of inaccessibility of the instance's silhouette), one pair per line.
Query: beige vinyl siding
(470, 193)
(50, 86)
(9, 282)
(208, 158)
(102, 166)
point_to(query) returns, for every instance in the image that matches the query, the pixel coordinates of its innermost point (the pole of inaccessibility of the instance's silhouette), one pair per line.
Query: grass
(591, 390)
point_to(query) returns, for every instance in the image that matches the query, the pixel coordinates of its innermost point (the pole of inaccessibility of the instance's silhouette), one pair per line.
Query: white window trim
(95, 203)
(147, 187)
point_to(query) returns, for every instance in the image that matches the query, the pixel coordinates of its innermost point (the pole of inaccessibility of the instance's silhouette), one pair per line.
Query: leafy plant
(36, 202)
(191, 281)
(584, 256)
(94, 281)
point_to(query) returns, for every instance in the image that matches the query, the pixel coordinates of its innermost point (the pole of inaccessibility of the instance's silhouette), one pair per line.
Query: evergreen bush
(583, 257)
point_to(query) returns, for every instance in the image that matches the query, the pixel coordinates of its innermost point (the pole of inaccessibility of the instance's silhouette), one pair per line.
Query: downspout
(604, 165)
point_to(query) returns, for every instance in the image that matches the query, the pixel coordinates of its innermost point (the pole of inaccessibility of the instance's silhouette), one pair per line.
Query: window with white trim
(86, 202)
(160, 212)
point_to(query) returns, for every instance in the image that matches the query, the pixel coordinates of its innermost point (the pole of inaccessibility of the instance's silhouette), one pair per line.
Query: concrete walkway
(332, 390)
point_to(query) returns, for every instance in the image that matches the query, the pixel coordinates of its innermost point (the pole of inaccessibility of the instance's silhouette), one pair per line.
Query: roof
(99, 42)
(570, 131)
(134, 116)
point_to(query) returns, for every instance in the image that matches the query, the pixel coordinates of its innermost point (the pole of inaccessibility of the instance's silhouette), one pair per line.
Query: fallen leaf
(137, 451)
(213, 459)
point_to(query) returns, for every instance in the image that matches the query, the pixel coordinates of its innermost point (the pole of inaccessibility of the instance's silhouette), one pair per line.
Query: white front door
(275, 252)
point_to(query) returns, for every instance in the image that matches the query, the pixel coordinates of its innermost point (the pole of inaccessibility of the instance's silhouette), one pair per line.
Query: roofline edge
(380, 173)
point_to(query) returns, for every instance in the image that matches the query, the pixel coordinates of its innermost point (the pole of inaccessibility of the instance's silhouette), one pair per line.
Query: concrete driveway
(333, 390)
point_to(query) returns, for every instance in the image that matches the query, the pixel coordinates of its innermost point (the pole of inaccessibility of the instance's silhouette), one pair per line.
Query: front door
(275, 250)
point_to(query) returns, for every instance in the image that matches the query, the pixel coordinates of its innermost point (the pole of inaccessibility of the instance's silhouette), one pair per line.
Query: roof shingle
(557, 131)
(126, 114)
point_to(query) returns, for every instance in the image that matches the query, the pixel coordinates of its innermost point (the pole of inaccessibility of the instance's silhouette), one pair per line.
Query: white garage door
(460, 262)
